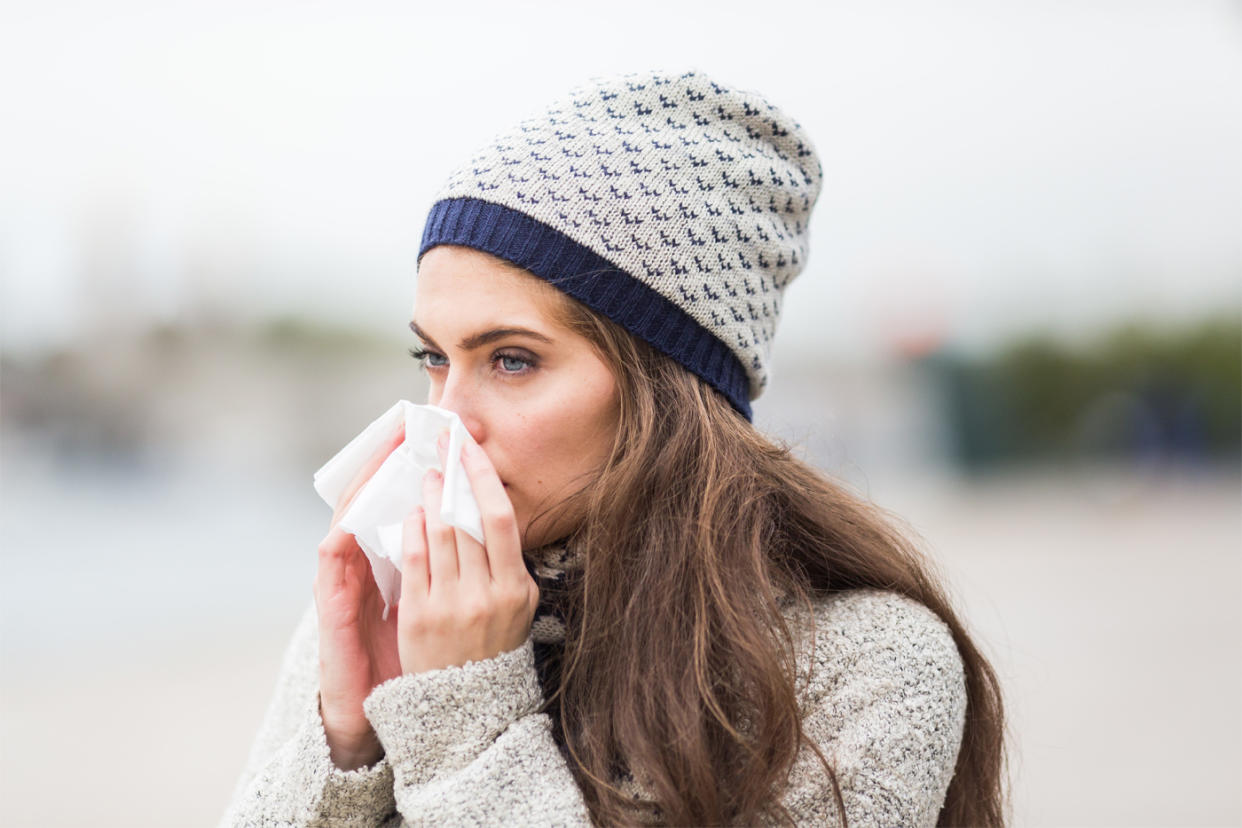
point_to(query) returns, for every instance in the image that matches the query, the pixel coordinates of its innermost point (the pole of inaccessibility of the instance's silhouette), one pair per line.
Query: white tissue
(376, 515)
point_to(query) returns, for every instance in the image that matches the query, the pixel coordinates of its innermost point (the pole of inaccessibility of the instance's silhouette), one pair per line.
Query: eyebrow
(483, 338)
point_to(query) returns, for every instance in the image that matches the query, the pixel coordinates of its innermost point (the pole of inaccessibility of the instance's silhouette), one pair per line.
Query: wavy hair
(692, 504)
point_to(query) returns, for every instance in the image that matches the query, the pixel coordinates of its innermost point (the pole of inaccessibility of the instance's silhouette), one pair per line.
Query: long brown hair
(678, 668)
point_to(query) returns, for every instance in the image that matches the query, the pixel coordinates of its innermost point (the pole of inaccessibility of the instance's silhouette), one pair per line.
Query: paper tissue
(376, 514)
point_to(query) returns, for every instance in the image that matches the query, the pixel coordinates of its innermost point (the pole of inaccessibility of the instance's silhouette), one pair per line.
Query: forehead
(462, 284)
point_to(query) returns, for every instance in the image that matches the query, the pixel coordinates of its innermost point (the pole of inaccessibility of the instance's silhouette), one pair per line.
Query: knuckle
(439, 619)
(413, 557)
(414, 622)
(503, 520)
(477, 609)
(332, 546)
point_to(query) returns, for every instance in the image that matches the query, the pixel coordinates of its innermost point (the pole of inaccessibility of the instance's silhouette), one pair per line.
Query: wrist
(351, 749)
(355, 757)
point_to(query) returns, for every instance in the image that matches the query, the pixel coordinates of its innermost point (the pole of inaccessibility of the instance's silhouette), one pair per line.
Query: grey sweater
(885, 702)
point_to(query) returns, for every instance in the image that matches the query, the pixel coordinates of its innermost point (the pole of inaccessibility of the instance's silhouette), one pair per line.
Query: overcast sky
(990, 167)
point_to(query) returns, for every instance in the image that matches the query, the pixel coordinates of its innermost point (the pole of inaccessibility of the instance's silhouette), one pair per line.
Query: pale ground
(1113, 610)
(1112, 606)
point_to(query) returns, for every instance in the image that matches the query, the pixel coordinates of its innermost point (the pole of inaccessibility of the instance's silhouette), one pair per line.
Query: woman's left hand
(462, 601)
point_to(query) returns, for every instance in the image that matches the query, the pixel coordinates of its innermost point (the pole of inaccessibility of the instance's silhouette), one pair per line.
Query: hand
(357, 648)
(460, 600)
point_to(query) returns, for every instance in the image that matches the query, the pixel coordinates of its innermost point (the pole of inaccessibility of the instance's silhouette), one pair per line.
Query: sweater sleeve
(467, 746)
(290, 779)
(883, 696)
(885, 702)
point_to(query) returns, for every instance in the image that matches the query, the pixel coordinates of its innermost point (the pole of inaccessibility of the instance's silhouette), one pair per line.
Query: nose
(458, 395)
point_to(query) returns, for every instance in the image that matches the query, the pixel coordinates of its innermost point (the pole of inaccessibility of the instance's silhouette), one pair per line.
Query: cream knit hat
(671, 204)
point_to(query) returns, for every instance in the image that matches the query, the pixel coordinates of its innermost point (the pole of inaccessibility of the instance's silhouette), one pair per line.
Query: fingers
(377, 458)
(344, 572)
(453, 608)
(415, 575)
(338, 550)
(441, 539)
(442, 443)
(504, 547)
(472, 561)
(333, 553)
(368, 468)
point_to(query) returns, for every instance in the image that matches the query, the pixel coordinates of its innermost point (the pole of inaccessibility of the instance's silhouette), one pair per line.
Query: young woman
(672, 620)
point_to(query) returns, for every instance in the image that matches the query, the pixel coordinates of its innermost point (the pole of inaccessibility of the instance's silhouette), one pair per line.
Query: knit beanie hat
(670, 204)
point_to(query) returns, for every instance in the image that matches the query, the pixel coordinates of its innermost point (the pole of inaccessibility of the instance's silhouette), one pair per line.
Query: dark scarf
(553, 567)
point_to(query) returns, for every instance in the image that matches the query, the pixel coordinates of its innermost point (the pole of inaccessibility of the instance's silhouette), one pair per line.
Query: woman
(672, 619)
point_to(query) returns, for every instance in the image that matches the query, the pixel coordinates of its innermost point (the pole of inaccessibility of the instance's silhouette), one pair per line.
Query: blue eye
(513, 364)
(429, 359)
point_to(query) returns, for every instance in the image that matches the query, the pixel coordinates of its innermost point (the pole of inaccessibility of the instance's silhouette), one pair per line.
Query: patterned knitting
(551, 566)
(671, 204)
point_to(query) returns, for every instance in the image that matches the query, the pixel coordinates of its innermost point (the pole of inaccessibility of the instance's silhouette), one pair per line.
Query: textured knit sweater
(883, 696)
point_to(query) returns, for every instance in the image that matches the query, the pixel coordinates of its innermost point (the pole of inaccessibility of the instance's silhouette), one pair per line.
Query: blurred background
(1020, 330)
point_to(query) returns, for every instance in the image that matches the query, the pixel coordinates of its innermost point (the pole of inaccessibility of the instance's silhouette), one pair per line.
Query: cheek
(562, 437)
(535, 444)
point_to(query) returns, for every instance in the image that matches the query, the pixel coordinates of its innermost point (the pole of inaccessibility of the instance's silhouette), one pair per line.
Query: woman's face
(535, 395)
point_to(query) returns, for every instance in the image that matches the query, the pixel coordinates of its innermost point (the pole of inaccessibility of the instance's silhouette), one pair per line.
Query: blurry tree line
(1139, 393)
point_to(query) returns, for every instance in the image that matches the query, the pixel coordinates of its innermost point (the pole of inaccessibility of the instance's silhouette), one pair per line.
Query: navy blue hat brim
(597, 283)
